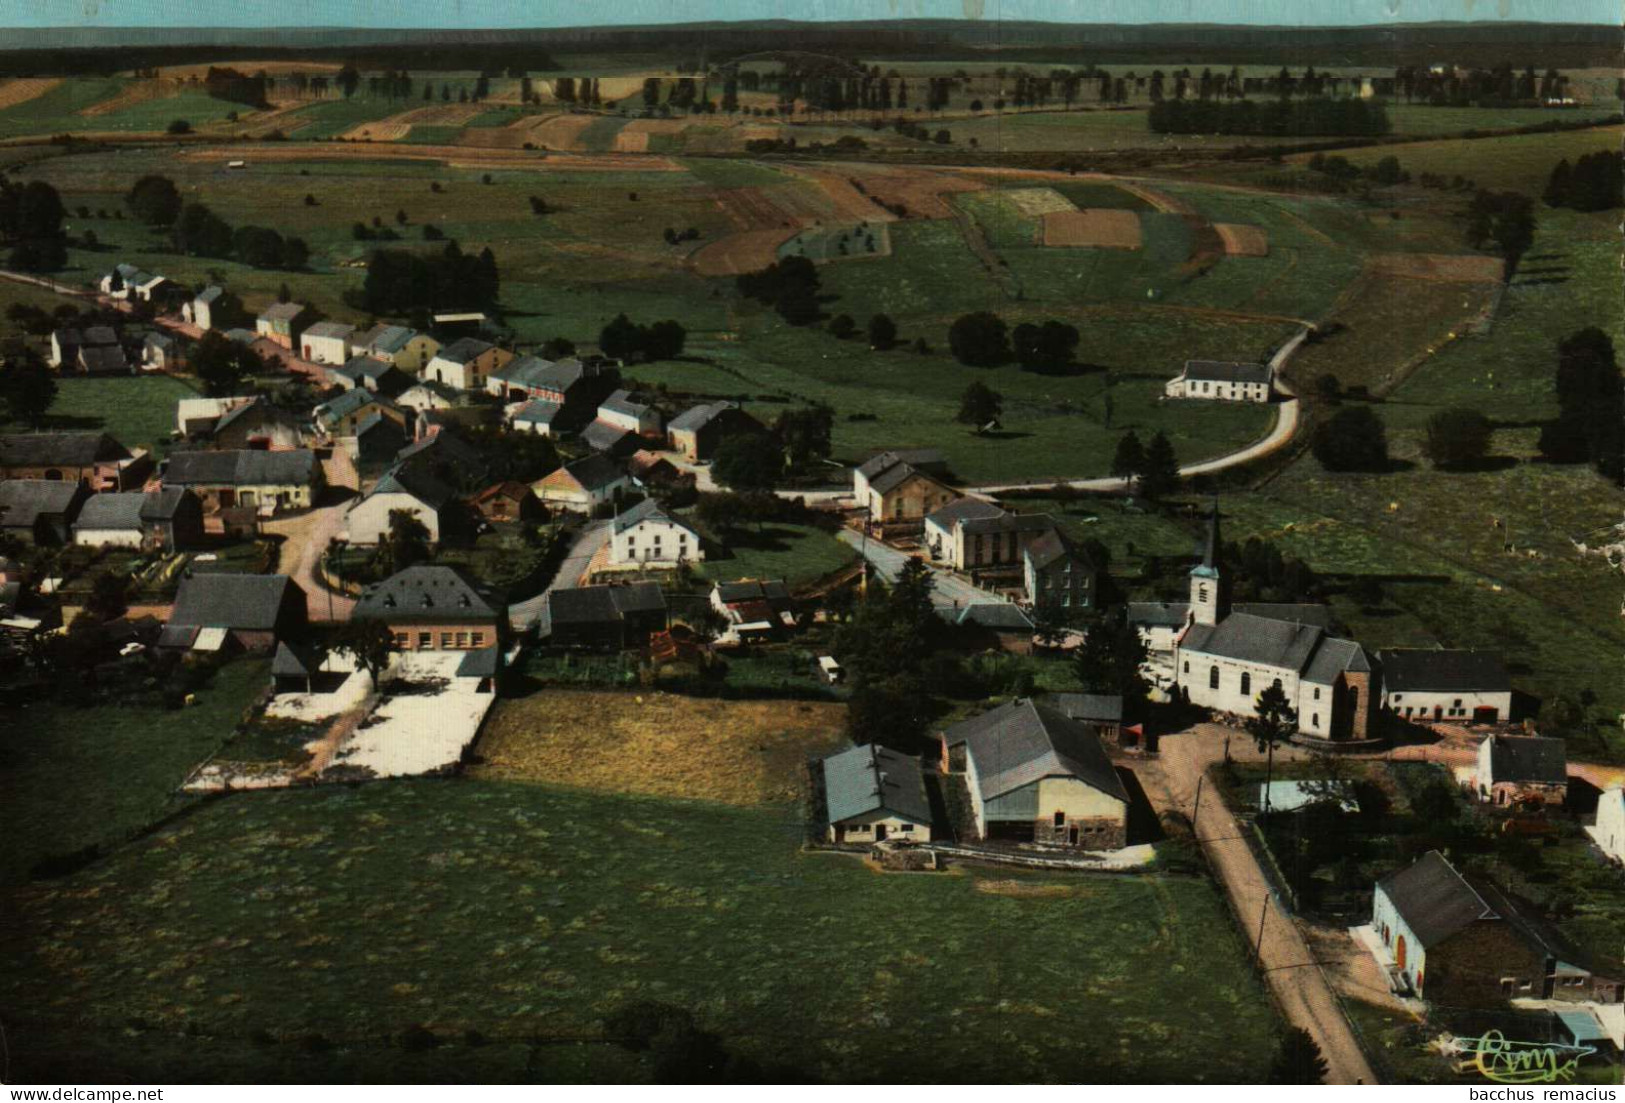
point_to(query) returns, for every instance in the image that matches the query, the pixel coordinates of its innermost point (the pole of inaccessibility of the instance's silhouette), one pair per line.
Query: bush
(179, 126)
(1353, 439)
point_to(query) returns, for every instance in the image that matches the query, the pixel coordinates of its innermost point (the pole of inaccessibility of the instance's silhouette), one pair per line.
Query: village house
(538, 416)
(698, 432)
(651, 469)
(326, 342)
(161, 352)
(611, 440)
(944, 543)
(1225, 381)
(992, 626)
(872, 793)
(754, 608)
(452, 459)
(94, 350)
(156, 520)
(96, 459)
(344, 414)
(247, 611)
(582, 485)
(635, 417)
(1457, 943)
(424, 397)
(1456, 686)
(1609, 830)
(127, 282)
(404, 488)
(200, 310)
(898, 490)
(39, 511)
(369, 373)
(1035, 775)
(433, 608)
(269, 482)
(409, 350)
(378, 440)
(465, 363)
(298, 668)
(283, 323)
(1056, 573)
(1521, 769)
(257, 424)
(1224, 659)
(647, 536)
(603, 618)
(507, 502)
(1103, 710)
(572, 387)
(196, 417)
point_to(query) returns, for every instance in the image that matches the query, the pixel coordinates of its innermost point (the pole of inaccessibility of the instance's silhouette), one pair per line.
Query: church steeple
(1207, 604)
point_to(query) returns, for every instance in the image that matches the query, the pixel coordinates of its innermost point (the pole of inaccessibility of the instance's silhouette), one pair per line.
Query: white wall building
(646, 535)
(1223, 381)
(1609, 831)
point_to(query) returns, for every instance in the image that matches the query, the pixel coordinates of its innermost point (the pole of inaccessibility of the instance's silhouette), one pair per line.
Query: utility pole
(1196, 809)
(1258, 950)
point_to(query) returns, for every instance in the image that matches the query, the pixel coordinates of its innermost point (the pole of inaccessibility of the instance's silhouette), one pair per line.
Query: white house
(537, 416)
(942, 535)
(200, 311)
(126, 281)
(635, 417)
(1522, 769)
(326, 342)
(406, 348)
(646, 535)
(872, 793)
(1225, 381)
(1454, 686)
(405, 487)
(583, 484)
(465, 363)
(1609, 830)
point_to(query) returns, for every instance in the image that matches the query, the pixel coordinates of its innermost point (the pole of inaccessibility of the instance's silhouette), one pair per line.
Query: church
(1223, 658)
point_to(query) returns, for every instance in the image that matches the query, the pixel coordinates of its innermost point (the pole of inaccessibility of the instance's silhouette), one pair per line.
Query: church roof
(1254, 639)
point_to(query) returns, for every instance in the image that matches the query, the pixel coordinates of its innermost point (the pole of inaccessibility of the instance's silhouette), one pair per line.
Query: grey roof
(1419, 669)
(895, 472)
(538, 412)
(209, 294)
(242, 336)
(163, 504)
(414, 480)
(483, 662)
(1254, 639)
(242, 467)
(601, 604)
(1010, 522)
(867, 779)
(68, 338)
(100, 335)
(751, 589)
(283, 312)
(595, 472)
(388, 339)
(464, 349)
(360, 366)
(1227, 371)
(1333, 657)
(647, 510)
(698, 417)
(349, 402)
(621, 402)
(329, 329)
(160, 340)
(258, 407)
(1101, 707)
(1052, 546)
(59, 449)
(963, 509)
(916, 457)
(113, 511)
(1001, 616)
(25, 501)
(223, 600)
(533, 371)
(1305, 612)
(97, 358)
(447, 448)
(1021, 742)
(601, 436)
(1531, 758)
(426, 593)
(1434, 900)
(1158, 614)
(293, 660)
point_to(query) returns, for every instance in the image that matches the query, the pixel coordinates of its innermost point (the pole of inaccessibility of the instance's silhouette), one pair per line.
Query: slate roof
(599, 604)
(113, 511)
(620, 402)
(533, 371)
(963, 509)
(1532, 758)
(449, 449)
(294, 660)
(594, 472)
(464, 349)
(1011, 522)
(1227, 371)
(209, 294)
(59, 449)
(862, 780)
(360, 366)
(1333, 657)
(1434, 900)
(889, 469)
(25, 501)
(1171, 614)
(412, 479)
(1438, 671)
(243, 601)
(698, 417)
(752, 589)
(1158, 614)
(100, 358)
(1254, 639)
(1023, 741)
(538, 412)
(426, 594)
(1102, 707)
(386, 338)
(1052, 546)
(646, 510)
(348, 403)
(162, 504)
(282, 312)
(100, 335)
(242, 467)
(601, 436)
(483, 662)
(917, 457)
(1001, 616)
(256, 406)
(329, 329)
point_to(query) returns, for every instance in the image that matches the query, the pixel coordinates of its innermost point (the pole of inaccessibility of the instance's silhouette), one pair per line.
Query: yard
(139, 411)
(520, 914)
(799, 554)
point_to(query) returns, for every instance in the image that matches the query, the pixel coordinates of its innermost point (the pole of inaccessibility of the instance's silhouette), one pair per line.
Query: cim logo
(1505, 1062)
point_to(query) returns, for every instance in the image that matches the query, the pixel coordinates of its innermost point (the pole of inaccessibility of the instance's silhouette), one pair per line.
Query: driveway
(305, 539)
(948, 591)
(522, 615)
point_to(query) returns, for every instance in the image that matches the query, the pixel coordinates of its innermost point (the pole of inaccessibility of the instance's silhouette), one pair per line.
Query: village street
(522, 615)
(305, 537)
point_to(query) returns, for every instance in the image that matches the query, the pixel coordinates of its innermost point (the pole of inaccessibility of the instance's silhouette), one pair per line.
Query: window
(403, 640)
(478, 639)
(1314, 720)
(904, 829)
(1317, 693)
(425, 641)
(1201, 592)
(1187, 666)
(1397, 696)
(445, 641)
(1213, 677)
(462, 639)
(1458, 703)
(1246, 682)
(1060, 819)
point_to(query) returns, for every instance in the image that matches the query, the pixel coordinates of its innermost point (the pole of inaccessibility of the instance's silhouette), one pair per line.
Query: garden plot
(1243, 241)
(1096, 227)
(1038, 202)
(1446, 268)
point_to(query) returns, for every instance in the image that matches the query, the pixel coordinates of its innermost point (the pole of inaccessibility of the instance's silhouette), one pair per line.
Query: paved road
(948, 591)
(522, 615)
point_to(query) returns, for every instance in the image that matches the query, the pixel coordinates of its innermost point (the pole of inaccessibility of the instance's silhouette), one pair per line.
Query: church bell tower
(1207, 598)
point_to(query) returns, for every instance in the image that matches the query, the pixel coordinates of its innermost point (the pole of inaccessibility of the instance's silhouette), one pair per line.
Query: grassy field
(796, 553)
(88, 776)
(659, 744)
(57, 111)
(1519, 162)
(528, 913)
(139, 411)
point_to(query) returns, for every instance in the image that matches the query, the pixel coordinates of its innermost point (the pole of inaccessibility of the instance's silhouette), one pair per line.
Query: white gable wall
(657, 542)
(368, 521)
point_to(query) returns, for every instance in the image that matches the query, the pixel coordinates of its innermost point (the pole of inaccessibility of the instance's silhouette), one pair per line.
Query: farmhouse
(40, 511)
(249, 611)
(167, 520)
(161, 352)
(635, 417)
(202, 308)
(1224, 659)
(407, 489)
(326, 342)
(343, 415)
(583, 484)
(95, 350)
(1035, 775)
(942, 537)
(257, 424)
(872, 793)
(572, 387)
(126, 281)
(449, 456)
(267, 481)
(284, 323)
(98, 460)
(610, 439)
(378, 440)
(197, 417)
(1225, 381)
(698, 432)
(505, 502)
(1609, 830)
(409, 350)
(465, 363)
(898, 490)
(647, 536)
(431, 608)
(652, 469)
(369, 373)
(538, 416)
(602, 617)
(754, 608)
(1522, 769)
(1460, 943)
(1457, 686)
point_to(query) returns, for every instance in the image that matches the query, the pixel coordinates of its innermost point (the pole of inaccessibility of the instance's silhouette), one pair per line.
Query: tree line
(1275, 118)
(197, 231)
(1595, 182)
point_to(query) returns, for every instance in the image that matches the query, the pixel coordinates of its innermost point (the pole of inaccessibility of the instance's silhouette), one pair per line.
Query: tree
(1298, 1060)
(1160, 476)
(558, 348)
(842, 326)
(1590, 425)
(1044, 348)
(620, 339)
(1329, 389)
(1353, 439)
(980, 405)
(348, 79)
(1109, 661)
(882, 332)
(178, 127)
(664, 340)
(748, 461)
(1129, 460)
(1457, 437)
(154, 200)
(108, 596)
(979, 339)
(221, 364)
(405, 544)
(804, 433)
(27, 385)
(1273, 721)
(370, 643)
